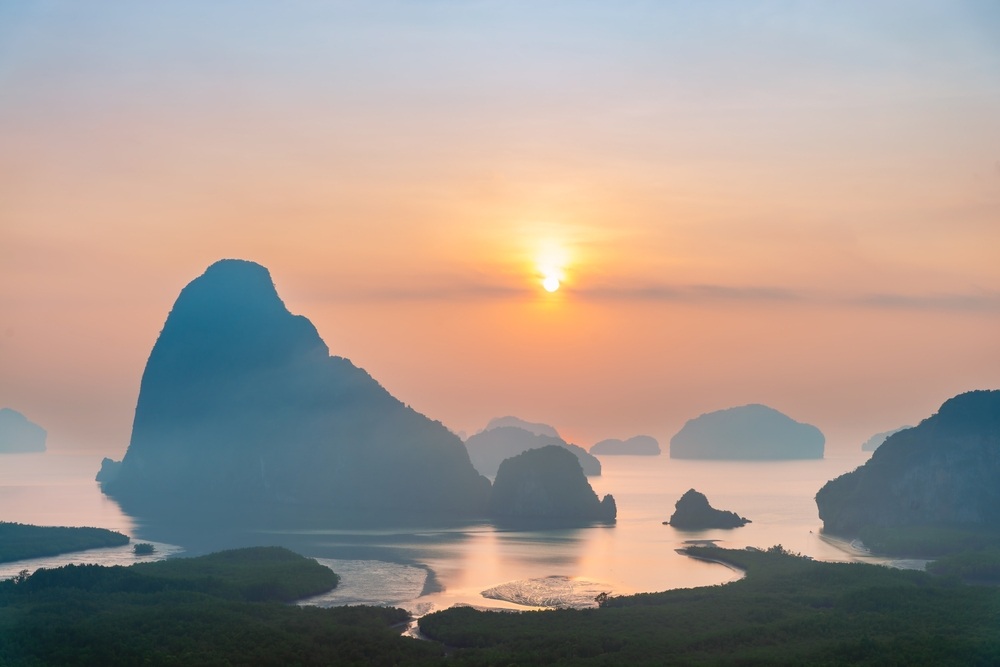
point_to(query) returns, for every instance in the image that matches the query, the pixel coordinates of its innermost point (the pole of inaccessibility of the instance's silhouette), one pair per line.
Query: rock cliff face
(488, 448)
(944, 471)
(639, 445)
(109, 470)
(693, 512)
(241, 406)
(18, 434)
(749, 432)
(546, 485)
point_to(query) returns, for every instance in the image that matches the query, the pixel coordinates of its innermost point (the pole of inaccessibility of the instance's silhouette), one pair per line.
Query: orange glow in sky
(608, 218)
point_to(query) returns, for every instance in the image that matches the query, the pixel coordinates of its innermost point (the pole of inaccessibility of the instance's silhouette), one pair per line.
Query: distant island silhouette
(693, 512)
(943, 472)
(745, 433)
(18, 434)
(638, 445)
(532, 427)
(241, 408)
(874, 442)
(546, 485)
(490, 447)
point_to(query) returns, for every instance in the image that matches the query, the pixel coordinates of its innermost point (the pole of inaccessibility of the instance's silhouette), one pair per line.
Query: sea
(426, 568)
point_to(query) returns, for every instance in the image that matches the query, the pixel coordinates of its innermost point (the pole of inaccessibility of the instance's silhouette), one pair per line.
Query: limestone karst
(748, 432)
(638, 445)
(693, 512)
(494, 444)
(242, 406)
(945, 471)
(546, 485)
(18, 434)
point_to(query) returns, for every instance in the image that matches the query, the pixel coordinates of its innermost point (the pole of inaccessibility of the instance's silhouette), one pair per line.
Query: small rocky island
(943, 472)
(747, 433)
(18, 434)
(693, 512)
(490, 447)
(548, 486)
(639, 445)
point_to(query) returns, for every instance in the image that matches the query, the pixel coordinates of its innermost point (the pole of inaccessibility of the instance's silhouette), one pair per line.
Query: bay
(424, 568)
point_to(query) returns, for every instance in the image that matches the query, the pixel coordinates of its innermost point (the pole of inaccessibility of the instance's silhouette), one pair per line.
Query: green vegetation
(932, 541)
(258, 573)
(225, 608)
(19, 541)
(981, 566)
(143, 549)
(787, 610)
(228, 608)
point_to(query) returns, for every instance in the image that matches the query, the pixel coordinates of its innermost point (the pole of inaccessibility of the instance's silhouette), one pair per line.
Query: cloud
(467, 289)
(981, 302)
(689, 293)
(456, 290)
(977, 301)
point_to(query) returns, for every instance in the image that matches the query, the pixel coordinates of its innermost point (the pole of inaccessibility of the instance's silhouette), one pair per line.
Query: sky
(788, 203)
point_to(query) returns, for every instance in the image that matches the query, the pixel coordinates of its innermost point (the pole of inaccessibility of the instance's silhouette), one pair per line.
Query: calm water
(433, 568)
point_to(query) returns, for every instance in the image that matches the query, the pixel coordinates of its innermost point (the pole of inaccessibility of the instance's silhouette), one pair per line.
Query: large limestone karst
(693, 512)
(945, 471)
(746, 433)
(637, 445)
(490, 447)
(241, 406)
(546, 485)
(18, 434)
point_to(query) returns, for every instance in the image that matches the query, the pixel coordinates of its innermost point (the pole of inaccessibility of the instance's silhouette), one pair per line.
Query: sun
(551, 259)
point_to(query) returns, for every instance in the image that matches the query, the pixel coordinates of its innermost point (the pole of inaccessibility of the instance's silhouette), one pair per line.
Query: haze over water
(435, 567)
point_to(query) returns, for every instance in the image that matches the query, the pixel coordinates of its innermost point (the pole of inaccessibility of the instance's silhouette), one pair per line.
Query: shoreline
(862, 554)
(685, 551)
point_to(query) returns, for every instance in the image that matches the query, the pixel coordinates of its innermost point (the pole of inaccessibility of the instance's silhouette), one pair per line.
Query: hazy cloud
(979, 301)
(456, 292)
(984, 302)
(422, 290)
(459, 290)
(689, 293)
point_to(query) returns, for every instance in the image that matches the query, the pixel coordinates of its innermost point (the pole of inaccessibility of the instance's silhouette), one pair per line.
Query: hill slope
(945, 471)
